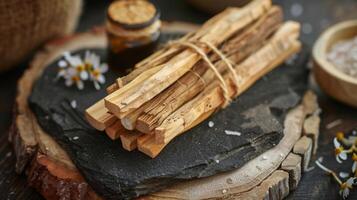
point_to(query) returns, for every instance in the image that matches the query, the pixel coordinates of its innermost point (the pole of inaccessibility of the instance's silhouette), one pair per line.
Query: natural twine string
(204, 56)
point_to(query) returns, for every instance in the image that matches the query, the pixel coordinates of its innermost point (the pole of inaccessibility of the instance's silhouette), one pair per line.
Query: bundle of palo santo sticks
(185, 82)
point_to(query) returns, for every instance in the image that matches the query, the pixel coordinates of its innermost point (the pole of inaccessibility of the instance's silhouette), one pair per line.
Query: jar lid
(133, 14)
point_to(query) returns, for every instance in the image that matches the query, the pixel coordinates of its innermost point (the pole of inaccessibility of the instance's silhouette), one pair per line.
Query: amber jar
(133, 30)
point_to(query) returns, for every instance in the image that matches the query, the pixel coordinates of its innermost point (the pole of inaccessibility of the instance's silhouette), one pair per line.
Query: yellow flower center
(88, 66)
(338, 150)
(76, 78)
(354, 157)
(95, 73)
(80, 68)
(340, 135)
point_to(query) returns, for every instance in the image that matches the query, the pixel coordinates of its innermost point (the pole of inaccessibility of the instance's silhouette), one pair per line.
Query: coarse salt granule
(236, 133)
(343, 55)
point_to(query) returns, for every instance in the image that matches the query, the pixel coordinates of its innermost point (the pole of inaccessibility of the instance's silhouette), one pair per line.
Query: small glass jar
(133, 31)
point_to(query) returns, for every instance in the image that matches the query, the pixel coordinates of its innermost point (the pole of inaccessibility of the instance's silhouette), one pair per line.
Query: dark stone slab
(117, 174)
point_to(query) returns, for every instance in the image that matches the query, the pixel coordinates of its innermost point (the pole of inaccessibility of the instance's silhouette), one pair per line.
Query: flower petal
(343, 155)
(80, 85)
(344, 174)
(336, 143)
(103, 68)
(350, 181)
(69, 82)
(84, 75)
(338, 159)
(62, 64)
(96, 85)
(346, 192)
(101, 79)
(61, 73)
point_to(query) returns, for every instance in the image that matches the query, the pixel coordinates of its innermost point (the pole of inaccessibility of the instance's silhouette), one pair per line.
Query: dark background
(316, 16)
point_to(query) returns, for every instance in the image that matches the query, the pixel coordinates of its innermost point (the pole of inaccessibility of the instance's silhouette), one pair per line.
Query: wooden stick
(230, 22)
(282, 45)
(249, 41)
(115, 130)
(129, 140)
(99, 117)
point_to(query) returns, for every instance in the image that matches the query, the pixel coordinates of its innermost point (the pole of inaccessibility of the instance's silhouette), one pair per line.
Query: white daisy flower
(346, 187)
(75, 70)
(97, 76)
(77, 63)
(340, 153)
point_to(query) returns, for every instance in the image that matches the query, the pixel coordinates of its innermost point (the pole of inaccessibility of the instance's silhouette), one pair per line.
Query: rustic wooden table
(315, 16)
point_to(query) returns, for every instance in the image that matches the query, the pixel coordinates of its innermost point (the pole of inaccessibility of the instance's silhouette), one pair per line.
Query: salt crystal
(74, 104)
(210, 124)
(236, 133)
(296, 10)
(217, 161)
(320, 159)
(343, 55)
(75, 138)
(224, 191)
(264, 158)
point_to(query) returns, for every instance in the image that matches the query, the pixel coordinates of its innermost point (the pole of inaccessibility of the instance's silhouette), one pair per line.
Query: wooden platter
(272, 175)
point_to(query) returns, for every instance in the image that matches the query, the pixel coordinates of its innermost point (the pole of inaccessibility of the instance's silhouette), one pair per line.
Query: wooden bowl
(332, 81)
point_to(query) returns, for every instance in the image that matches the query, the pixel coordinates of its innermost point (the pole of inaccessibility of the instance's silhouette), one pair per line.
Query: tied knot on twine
(194, 45)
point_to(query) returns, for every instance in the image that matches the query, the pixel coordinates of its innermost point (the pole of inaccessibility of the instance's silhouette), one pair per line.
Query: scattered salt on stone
(281, 155)
(75, 138)
(343, 55)
(217, 161)
(296, 10)
(264, 158)
(320, 159)
(224, 191)
(306, 28)
(236, 133)
(210, 124)
(74, 104)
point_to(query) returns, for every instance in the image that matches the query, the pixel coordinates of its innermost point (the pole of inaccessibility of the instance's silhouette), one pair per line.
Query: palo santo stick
(129, 140)
(98, 117)
(114, 130)
(230, 21)
(151, 148)
(212, 99)
(272, 54)
(249, 41)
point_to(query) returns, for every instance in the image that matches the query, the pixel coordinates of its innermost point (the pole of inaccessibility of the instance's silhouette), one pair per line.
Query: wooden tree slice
(50, 169)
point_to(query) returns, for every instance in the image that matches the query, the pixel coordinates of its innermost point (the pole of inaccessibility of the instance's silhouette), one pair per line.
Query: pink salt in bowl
(331, 80)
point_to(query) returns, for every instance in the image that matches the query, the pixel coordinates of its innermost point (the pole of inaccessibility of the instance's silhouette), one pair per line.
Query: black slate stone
(117, 174)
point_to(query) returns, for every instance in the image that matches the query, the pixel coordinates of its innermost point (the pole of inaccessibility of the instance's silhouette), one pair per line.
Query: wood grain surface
(316, 16)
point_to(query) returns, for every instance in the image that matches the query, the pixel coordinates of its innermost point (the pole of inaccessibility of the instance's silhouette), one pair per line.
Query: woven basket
(26, 24)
